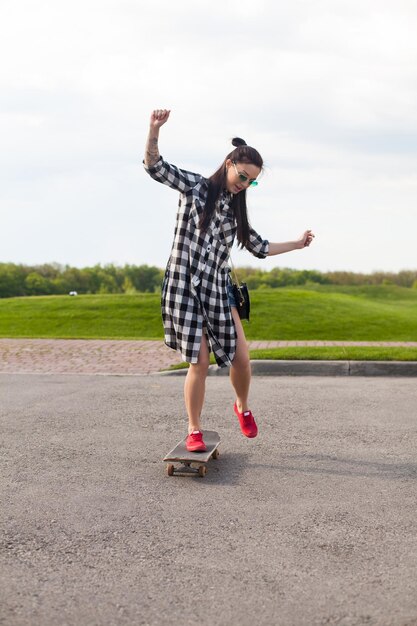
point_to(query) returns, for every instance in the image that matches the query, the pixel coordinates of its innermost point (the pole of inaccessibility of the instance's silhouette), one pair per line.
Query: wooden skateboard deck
(193, 462)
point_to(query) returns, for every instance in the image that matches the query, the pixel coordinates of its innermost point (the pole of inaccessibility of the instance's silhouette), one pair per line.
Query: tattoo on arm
(152, 151)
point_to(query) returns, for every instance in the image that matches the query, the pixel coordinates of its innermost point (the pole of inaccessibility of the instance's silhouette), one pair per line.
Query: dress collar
(226, 195)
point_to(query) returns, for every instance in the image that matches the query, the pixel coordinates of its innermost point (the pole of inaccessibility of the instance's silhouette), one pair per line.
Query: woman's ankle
(242, 406)
(193, 430)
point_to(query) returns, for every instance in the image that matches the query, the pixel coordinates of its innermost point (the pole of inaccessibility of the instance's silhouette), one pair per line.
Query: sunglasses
(244, 178)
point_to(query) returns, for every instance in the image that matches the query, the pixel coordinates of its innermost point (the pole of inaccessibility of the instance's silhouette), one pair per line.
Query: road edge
(271, 367)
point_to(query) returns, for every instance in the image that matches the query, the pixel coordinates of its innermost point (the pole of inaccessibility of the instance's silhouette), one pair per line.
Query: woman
(198, 309)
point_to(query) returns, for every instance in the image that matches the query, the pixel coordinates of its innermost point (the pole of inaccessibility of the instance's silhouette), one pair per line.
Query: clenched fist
(159, 117)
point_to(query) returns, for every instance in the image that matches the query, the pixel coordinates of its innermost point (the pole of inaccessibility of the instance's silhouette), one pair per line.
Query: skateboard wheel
(170, 470)
(216, 454)
(202, 471)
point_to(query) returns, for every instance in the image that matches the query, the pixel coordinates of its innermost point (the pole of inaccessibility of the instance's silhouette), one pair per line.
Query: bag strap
(231, 263)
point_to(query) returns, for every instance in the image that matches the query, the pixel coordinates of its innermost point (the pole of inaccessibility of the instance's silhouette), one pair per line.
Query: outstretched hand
(305, 239)
(159, 117)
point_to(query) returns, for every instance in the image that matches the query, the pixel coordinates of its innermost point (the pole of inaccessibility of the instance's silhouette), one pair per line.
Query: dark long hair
(217, 182)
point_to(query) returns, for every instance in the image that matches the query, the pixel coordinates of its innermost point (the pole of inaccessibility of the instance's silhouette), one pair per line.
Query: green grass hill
(365, 313)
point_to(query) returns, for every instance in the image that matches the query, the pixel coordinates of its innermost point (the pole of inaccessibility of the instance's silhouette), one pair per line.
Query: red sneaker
(195, 443)
(247, 422)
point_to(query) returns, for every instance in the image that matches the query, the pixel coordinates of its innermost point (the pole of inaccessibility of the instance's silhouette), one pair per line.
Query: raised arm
(154, 164)
(158, 118)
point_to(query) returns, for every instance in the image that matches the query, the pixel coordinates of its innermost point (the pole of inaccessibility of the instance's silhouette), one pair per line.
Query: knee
(241, 361)
(200, 369)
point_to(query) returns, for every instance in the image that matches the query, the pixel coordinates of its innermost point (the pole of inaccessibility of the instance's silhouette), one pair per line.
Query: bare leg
(240, 372)
(195, 386)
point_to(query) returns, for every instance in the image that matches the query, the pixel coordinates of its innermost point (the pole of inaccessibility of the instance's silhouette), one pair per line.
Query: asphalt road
(314, 522)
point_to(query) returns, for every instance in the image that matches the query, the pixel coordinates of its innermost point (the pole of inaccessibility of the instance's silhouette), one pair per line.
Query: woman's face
(236, 171)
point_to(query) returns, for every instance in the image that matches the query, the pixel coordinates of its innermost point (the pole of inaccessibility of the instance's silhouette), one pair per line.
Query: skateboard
(193, 462)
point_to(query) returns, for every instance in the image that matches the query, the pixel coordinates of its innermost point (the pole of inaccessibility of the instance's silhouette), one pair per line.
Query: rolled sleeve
(171, 175)
(256, 245)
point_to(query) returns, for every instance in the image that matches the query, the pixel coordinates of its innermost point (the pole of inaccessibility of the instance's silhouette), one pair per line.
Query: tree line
(57, 279)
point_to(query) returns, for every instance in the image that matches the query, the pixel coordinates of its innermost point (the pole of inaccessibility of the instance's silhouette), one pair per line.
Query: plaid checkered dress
(194, 292)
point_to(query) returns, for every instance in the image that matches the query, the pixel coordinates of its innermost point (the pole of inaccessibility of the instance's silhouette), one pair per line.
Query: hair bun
(237, 141)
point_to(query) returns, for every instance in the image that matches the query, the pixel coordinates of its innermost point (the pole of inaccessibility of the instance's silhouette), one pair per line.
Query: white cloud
(325, 90)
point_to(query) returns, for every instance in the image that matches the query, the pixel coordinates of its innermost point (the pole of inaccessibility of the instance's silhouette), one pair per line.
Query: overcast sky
(326, 90)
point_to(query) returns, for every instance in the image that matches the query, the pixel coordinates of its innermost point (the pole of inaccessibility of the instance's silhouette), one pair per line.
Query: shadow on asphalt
(325, 464)
(230, 467)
